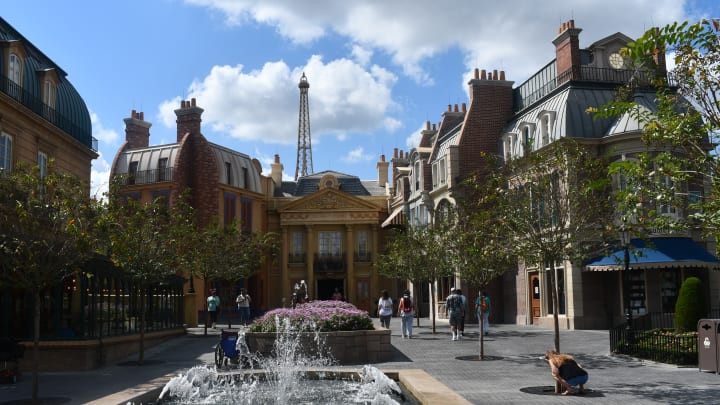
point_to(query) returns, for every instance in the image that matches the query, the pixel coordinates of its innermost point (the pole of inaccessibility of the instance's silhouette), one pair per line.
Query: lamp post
(625, 238)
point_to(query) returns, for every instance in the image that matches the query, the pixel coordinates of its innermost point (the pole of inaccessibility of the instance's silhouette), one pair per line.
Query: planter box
(348, 347)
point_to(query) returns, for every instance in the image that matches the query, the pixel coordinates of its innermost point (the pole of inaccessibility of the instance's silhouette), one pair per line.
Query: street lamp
(625, 238)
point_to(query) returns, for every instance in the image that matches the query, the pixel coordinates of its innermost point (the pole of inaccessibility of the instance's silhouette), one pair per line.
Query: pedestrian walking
(385, 309)
(406, 311)
(243, 301)
(482, 310)
(454, 312)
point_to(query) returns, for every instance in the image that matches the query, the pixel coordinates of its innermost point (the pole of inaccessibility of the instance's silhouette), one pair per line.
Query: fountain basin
(346, 347)
(426, 389)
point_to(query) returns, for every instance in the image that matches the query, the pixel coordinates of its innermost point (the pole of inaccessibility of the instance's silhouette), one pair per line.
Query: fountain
(297, 373)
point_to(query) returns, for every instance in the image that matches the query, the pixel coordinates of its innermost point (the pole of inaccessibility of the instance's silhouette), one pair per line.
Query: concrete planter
(348, 347)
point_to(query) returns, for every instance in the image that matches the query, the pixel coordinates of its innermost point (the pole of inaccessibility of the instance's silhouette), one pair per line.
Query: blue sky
(377, 69)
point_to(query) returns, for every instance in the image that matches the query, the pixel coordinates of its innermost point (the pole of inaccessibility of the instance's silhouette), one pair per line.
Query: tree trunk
(556, 321)
(432, 305)
(36, 347)
(482, 340)
(141, 352)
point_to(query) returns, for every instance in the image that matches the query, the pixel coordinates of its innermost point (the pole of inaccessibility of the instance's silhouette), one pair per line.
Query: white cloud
(101, 133)
(356, 155)
(262, 105)
(362, 55)
(99, 177)
(414, 139)
(500, 35)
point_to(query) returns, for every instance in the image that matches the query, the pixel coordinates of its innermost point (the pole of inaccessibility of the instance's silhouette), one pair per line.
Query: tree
(679, 168)
(556, 207)
(142, 240)
(420, 254)
(45, 227)
(480, 243)
(219, 252)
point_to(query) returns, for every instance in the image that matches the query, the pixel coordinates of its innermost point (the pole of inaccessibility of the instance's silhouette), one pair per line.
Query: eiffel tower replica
(304, 164)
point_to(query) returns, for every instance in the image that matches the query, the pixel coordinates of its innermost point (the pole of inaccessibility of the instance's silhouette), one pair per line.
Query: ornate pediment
(329, 199)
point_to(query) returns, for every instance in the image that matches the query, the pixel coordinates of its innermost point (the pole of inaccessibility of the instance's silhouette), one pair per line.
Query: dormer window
(15, 75)
(49, 94)
(547, 120)
(162, 169)
(416, 174)
(228, 173)
(527, 132)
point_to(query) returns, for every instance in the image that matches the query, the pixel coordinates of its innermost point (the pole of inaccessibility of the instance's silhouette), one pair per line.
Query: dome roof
(70, 113)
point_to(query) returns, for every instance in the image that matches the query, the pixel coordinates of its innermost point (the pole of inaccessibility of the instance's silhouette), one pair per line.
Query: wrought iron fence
(653, 337)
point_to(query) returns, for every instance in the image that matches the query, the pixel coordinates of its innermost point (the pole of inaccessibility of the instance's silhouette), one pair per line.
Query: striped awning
(396, 218)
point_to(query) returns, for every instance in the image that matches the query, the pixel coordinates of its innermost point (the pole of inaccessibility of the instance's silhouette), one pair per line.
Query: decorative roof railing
(545, 81)
(64, 123)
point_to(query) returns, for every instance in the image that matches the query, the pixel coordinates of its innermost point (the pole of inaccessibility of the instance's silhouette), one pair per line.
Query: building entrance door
(534, 297)
(326, 287)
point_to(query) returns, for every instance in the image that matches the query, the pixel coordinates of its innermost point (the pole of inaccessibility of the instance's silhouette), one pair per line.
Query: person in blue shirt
(482, 310)
(213, 306)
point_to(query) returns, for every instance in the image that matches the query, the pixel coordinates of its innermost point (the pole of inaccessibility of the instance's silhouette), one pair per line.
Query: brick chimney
(567, 52)
(491, 105)
(428, 133)
(382, 168)
(188, 118)
(137, 131)
(276, 169)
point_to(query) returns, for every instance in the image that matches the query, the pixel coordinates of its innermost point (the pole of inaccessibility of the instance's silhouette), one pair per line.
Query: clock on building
(616, 60)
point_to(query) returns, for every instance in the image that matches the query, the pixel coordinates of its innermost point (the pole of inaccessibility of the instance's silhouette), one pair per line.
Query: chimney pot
(495, 74)
(502, 75)
(427, 125)
(483, 75)
(395, 153)
(464, 107)
(476, 73)
(449, 108)
(277, 158)
(456, 108)
(434, 127)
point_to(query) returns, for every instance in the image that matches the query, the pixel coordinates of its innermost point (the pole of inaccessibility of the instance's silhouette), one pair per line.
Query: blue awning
(659, 253)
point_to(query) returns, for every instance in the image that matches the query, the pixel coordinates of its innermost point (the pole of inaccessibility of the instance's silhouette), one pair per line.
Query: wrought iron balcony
(147, 176)
(328, 263)
(365, 257)
(64, 123)
(297, 257)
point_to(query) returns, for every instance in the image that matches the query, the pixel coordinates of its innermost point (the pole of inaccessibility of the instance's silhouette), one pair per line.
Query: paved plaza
(513, 372)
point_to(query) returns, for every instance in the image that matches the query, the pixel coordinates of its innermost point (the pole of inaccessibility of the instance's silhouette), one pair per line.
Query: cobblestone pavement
(512, 371)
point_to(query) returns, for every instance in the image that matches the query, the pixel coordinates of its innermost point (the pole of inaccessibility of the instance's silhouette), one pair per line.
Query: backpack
(407, 304)
(484, 304)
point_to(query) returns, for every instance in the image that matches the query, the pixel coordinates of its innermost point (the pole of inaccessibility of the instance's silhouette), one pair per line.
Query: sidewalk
(513, 372)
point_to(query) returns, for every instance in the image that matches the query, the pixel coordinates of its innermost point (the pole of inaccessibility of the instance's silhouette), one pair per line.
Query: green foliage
(418, 253)
(556, 204)
(690, 306)
(678, 167)
(45, 227)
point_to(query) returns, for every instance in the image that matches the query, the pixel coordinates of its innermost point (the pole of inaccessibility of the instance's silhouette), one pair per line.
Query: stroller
(10, 354)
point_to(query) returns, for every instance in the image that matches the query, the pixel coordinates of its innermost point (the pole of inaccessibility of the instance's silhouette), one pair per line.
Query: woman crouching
(566, 371)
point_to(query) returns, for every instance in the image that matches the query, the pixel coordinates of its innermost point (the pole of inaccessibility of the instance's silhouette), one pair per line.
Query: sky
(378, 69)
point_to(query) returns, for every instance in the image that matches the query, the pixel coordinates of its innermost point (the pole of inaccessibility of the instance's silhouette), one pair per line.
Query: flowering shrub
(320, 316)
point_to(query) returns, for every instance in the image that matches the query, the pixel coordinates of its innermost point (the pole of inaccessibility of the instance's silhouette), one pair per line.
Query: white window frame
(297, 243)
(5, 152)
(443, 171)
(42, 161)
(15, 69)
(330, 243)
(362, 244)
(435, 175)
(49, 94)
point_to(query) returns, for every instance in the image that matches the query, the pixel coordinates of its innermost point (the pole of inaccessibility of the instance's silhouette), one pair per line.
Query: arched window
(15, 76)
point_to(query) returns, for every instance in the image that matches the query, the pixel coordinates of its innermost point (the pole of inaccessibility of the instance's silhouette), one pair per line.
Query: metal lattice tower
(304, 149)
